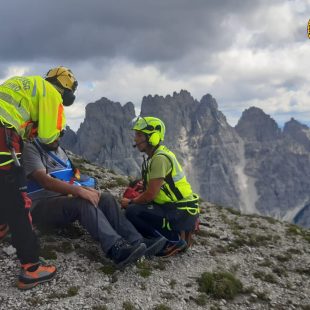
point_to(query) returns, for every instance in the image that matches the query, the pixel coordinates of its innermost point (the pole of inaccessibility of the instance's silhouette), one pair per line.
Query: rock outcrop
(279, 163)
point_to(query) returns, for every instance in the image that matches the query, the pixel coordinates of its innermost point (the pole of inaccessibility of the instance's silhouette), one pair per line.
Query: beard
(52, 146)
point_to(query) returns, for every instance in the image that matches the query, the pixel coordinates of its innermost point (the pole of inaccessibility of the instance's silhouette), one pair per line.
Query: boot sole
(156, 247)
(27, 286)
(174, 250)
(134, 256)
(4, 233)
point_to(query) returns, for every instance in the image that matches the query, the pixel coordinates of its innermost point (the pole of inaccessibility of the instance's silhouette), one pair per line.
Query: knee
(131, 212)
(107, 199)
(74, 209)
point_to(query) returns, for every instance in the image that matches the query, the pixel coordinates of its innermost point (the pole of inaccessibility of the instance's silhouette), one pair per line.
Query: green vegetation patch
(305, 271)
(100, 307)
(127, 305)
(298, 231)
(201, 299)
(72, 291)
(172, 283)
(233, 211)
(108, 269)
(144, 268)
(283, 257)
(162, 307)
(48, 252)
(220, 284)
(267, 277)
(252, 240)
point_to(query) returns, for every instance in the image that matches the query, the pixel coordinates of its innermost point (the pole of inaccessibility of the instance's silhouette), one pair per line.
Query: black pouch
(20, 178)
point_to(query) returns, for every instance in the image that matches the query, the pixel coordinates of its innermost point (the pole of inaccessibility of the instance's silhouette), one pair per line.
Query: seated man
(167, 206)
(57, 202)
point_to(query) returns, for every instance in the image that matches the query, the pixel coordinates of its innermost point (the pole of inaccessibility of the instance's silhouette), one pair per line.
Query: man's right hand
(89, 194)
(59, 186)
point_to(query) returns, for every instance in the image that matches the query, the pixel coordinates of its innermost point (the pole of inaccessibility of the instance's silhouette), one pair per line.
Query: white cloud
(243, 54)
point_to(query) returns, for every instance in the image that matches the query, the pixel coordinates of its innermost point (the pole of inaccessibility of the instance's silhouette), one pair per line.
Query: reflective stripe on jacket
(182, 191)
(24, 100)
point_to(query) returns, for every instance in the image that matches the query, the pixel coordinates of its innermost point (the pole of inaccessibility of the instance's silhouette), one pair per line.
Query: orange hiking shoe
(33, 274)
(4, 229)
(173, 248)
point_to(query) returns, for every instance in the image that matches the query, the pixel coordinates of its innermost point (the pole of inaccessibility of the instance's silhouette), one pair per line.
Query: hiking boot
(33, 274)
(173, 248)
(154, 245)
(4, 229)
(122, 253)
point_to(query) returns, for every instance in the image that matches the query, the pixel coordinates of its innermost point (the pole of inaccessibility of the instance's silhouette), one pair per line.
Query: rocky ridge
(270, 259)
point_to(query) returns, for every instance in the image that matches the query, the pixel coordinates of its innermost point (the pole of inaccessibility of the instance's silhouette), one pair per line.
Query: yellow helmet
(62, 77)
(153, 127)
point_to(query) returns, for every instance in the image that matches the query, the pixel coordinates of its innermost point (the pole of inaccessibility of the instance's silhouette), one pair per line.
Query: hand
(124, 203)
(89, 194)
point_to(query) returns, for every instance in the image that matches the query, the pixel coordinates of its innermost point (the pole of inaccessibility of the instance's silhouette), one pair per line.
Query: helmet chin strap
(68, 97)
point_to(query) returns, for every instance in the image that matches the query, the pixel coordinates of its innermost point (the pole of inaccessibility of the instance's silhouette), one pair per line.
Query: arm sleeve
(32, 160)
(160, 167)
(51, 114)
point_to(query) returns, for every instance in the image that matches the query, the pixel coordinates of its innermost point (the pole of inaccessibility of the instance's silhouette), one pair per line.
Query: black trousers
(106, 223)
(149, 219)
(14, 213)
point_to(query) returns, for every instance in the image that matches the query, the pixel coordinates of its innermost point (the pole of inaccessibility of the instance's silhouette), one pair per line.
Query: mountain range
(255, 167)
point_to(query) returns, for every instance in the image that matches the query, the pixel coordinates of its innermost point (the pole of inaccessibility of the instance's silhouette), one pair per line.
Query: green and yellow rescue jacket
(25, 100)
(175, 190)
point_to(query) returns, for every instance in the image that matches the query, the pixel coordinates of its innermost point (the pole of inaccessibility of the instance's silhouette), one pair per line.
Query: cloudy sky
(243, 52)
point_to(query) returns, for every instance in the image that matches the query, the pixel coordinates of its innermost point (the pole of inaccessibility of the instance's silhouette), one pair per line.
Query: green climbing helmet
(151, 126)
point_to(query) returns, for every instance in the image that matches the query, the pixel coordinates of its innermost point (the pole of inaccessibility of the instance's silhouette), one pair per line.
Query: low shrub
(220, 284)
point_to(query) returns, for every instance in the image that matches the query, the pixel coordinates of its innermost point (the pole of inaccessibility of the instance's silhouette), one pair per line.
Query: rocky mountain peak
(69, 139)
(256, 125)
(297, 132)
(209, 101)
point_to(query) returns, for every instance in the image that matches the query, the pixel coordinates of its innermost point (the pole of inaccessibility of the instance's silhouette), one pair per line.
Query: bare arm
(58, 186)
(147, 196)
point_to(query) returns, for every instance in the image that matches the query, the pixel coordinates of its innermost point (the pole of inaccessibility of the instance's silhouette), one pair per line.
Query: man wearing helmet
(167, 206)
(60, 197)
(30, 106)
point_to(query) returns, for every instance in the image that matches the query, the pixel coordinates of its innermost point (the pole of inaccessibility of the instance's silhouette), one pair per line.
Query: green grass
(233, 211)
(100, 307)
(72, 291)
(108, 269)
(298, 231)
(220, 284)
(48, 252)
(201, 299)
(144, 268)
(162, 307)
(127, 305)
(266, 277)
(283, 257)
(305, 271)
(172, 283)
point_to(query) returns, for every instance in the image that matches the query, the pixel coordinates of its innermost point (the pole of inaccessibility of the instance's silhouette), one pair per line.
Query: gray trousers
(106, 223)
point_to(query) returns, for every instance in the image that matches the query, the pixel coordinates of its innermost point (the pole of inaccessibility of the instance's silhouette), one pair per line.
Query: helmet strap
(67, 97)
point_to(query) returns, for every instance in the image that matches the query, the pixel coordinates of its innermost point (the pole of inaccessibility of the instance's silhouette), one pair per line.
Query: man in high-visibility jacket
(30, 106)
(167, 206)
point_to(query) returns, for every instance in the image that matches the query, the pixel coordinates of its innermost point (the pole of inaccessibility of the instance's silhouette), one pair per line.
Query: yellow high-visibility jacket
(28, 100)
(179, 189)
